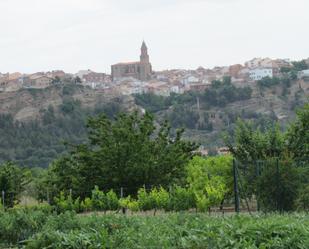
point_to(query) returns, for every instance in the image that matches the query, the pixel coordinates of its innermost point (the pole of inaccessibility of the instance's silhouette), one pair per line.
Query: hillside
(27, 104)
(35, 123)
(206, 116)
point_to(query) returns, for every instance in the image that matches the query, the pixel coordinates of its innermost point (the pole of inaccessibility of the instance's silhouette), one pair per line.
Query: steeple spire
(144, 45)
(144, 53)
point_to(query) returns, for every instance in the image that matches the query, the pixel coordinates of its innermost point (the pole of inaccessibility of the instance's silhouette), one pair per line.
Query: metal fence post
(278, 184)
(121, 196)
(236, 192)
(121, 192)
(257, 173)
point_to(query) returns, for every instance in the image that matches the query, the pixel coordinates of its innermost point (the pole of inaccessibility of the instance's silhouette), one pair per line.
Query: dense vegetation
(161, 173)
(183, 111)
(128, 151)
(42, 229)
(39, 142)
(131, 152)
(274, 158)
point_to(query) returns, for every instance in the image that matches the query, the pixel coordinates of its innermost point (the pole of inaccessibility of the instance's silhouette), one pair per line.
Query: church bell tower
(144, 58)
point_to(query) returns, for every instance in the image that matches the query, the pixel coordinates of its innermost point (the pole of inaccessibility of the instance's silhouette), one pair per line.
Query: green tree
(250, 144)
(13, 180)
(210, 179)
(274, 164)
(300, 65)
(298, 136)
(126, 152)
(278, 185)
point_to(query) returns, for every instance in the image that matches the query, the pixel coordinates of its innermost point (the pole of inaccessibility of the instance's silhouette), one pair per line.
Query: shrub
(124, 202)
(302, 202)
(133, 205)
(112, 201)
(99, 200)
(180, 199)
(160, 197)
(145, 200)
(86, 205)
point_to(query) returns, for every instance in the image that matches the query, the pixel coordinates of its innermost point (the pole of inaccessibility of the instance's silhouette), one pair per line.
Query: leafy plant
(181, 199)
(86, 205)
(99, 200)
(112, 201)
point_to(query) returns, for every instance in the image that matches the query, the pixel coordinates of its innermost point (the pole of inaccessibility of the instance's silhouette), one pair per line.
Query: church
(140, 70)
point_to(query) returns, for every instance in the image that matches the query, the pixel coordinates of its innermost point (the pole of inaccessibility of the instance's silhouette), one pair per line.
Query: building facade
(260, 73)
(140, 70)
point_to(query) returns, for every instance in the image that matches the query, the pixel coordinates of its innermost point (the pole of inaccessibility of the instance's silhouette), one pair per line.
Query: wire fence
(246, 195)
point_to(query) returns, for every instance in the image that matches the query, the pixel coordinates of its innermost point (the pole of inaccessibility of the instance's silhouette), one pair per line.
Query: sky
(71, 35)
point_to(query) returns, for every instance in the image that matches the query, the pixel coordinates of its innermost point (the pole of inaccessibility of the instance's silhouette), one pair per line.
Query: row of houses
(10, 84)
(253, 70)
(40, 80)
(161, 83)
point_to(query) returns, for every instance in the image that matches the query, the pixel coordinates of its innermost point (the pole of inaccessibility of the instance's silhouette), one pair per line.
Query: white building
(260, 73)
(189, 79)
(176, 89)
(303, 74)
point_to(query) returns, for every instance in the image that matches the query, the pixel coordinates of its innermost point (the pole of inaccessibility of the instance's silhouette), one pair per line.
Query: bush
(19, 224)
(302, 202)
(86, 205)
(160, 198)
(99, 200)
(112, 201)
(145, 200)
(180, 199)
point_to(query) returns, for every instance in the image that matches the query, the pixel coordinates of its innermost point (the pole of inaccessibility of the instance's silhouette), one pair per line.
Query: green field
(42, 229)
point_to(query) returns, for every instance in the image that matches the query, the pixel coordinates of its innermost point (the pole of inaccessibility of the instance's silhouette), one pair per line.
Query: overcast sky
(42, 35)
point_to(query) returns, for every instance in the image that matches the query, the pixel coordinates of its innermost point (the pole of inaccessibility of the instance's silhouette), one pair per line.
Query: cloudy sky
(42, 35)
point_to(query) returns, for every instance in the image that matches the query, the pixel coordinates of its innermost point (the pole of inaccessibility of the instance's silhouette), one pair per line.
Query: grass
(39, 229)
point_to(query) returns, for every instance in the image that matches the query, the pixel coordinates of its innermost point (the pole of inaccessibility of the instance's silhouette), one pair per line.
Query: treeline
(220, 93)
(183, 110)
(132, 152)
(39, 142)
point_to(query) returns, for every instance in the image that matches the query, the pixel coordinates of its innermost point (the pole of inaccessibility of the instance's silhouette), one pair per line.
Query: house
(244, 73)
(259, 62)
(279, 63)
(14, 76)
(260, 73)
(198, 87)
(82, 73)
(38, 82)
(4, 77)
(189, 79)
(234, 70)
(97, 78)
(130, 87)
(56, 73)
(10, 85)
(36, 75)
(303, 74)
(158, 88)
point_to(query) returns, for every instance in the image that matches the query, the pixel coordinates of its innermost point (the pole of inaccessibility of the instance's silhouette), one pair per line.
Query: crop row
(33, 229)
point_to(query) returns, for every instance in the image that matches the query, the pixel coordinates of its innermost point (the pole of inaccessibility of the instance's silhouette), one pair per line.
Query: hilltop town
(129, 78)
